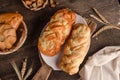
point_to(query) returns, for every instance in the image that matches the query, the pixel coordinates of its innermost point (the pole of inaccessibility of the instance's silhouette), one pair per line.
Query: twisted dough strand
(75, 49)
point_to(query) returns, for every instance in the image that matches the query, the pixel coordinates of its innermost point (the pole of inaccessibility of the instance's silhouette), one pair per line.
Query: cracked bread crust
(75, 49)
(56, 32)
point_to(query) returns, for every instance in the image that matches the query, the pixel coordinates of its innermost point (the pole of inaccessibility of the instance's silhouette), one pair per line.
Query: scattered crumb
(96, 38)
(118, 21)
(53, 3)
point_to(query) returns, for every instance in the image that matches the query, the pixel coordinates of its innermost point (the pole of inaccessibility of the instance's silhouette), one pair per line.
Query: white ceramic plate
(52, 61)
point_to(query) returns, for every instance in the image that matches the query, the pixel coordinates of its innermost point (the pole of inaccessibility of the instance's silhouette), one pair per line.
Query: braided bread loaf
(56, 32)
(75, 49)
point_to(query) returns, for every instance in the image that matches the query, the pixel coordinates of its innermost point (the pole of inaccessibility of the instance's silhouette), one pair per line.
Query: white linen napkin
(103, 65)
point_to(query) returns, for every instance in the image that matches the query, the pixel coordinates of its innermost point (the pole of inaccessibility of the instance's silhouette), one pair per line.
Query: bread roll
(75, 49)
(9, 23)
(56, 32)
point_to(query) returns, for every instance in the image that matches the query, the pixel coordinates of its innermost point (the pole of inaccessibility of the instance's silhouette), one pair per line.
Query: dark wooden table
(35, 22)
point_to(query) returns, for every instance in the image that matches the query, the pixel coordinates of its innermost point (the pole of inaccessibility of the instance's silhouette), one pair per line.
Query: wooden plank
(36, 20)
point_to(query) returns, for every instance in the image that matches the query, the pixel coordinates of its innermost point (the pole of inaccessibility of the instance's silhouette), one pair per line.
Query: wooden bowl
(38, 8)
(21, 37)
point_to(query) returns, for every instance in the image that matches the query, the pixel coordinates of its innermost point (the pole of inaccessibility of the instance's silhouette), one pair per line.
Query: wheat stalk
(101, 17)
(105, 28)
(23, 70)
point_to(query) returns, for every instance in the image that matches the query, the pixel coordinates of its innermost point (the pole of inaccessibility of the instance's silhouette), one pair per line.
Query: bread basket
(37, 7)
(21, 37)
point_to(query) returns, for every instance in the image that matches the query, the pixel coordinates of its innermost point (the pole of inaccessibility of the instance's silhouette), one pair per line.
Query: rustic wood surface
(35, 22)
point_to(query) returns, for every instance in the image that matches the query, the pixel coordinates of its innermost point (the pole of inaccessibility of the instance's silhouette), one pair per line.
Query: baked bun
(75, 49)
(9, 23)
(56, 32)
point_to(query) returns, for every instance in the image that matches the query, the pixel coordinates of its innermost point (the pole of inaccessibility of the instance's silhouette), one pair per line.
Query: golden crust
(65, 14)
(56, 32)
(49, 42)
(13, 19)
(75, 49)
